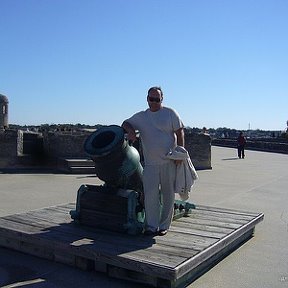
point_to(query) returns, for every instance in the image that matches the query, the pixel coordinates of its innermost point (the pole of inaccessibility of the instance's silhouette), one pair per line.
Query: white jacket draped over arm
(185, 172)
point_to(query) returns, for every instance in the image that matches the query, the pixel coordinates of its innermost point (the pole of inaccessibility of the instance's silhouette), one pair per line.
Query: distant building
(3, 112)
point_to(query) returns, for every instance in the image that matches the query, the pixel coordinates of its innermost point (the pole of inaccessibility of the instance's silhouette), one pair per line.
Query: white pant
(158, 181)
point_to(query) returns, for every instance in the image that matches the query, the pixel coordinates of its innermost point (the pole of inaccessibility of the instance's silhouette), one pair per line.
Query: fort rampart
(268, 145)
(9, 141)
(48, 147)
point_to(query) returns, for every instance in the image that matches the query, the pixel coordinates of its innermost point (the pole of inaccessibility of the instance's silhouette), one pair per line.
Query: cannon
(118, 204)
(116, 162)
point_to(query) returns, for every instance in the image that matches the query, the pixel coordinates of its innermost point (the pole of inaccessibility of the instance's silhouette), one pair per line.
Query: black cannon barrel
(116, 162)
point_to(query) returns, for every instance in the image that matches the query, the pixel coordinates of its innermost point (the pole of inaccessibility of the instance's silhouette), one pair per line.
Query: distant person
(241, 142)
(161, 130)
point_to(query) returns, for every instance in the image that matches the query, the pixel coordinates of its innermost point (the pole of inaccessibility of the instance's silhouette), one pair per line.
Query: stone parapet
(258, 145)
(60, 145)
(18, 145)
(8, 148)
(199, 148)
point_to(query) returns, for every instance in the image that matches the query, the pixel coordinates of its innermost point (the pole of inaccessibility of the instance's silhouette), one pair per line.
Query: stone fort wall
(60, 145)
(8, 148)
(14, 145)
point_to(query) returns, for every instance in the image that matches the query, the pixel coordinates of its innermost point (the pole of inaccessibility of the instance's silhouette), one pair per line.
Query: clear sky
(220, 63)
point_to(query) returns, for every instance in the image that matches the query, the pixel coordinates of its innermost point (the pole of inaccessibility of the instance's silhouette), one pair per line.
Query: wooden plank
(181, 240)
(223, 214)
(217, 218)
(18, 226)
(226, 210)
(201, 227)
(170, 250)
(163, 257)
(188, 230)
(210, 222)
(38, 217)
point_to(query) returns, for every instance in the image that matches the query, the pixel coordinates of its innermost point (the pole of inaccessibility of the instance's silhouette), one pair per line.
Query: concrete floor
(257, 183)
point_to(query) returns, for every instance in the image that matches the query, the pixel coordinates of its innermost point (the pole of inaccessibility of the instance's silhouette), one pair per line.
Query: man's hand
(178, 162)
(131, 136)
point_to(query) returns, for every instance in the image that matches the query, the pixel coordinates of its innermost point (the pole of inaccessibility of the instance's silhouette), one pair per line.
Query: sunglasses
(152, 99)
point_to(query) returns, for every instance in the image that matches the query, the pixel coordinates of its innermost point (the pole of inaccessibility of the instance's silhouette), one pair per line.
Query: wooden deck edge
(210, 262)
(234, 237)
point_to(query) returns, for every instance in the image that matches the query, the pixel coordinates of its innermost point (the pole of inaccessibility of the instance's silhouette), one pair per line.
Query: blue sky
(220, 63)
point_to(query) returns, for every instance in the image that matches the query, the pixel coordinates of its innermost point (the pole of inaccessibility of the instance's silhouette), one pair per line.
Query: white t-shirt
(157, 132)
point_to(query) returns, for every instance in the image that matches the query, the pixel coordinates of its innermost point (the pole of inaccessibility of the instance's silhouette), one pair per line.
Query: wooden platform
(192, 246)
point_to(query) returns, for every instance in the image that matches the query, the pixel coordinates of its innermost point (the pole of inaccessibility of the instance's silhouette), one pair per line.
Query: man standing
(161, 130)
(241, 141)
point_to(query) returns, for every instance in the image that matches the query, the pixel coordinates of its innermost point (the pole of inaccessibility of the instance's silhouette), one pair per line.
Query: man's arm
(180, 137)
(131, 134)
